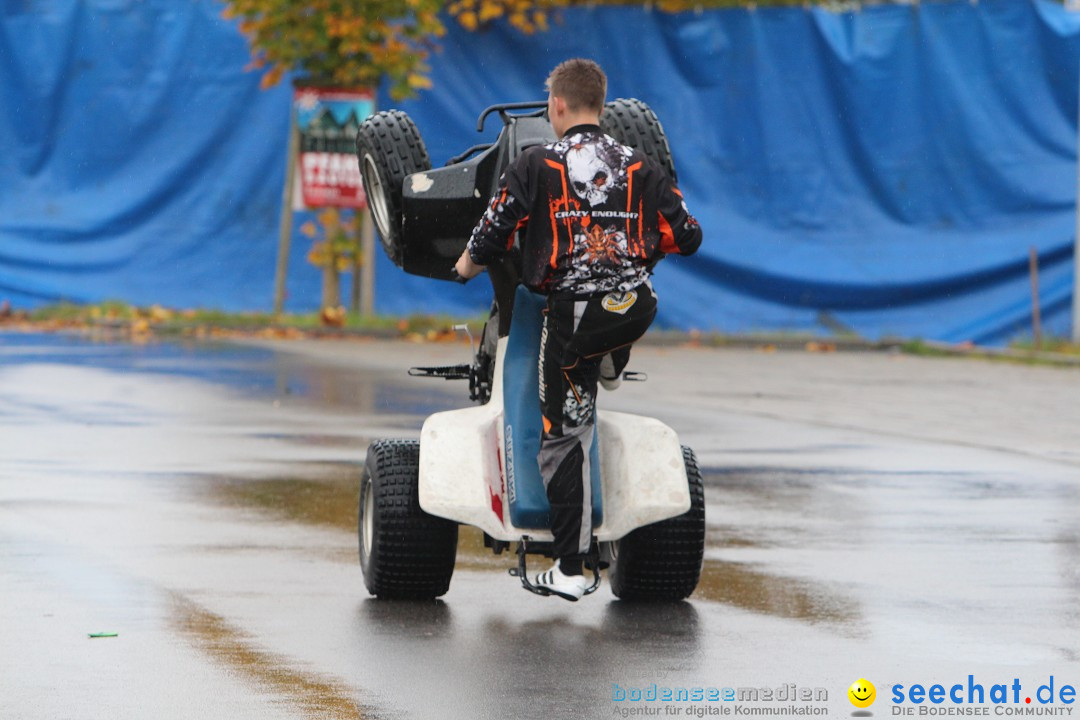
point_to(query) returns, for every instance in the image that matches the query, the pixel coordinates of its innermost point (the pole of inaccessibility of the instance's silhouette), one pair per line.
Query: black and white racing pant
(577, 334)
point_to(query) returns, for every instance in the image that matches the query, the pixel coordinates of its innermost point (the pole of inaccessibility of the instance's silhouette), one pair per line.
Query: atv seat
(527, 499)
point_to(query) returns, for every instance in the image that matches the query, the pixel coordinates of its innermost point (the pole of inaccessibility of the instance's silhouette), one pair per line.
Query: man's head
(576, 92)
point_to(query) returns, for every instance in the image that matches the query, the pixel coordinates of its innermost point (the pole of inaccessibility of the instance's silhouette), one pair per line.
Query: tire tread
(413, 553)
(394, 142)
(633, 123)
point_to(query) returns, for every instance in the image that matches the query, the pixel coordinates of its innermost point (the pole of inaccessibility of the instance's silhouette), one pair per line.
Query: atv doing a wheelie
(478, 466)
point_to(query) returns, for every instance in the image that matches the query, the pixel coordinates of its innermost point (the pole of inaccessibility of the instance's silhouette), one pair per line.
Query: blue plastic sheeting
(884, 171)
(139, 160)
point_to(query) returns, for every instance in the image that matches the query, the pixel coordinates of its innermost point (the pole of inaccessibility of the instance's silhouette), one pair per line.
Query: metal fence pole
(1036, 312)
(1076, 266)
(1076, 287)
(1076, 246)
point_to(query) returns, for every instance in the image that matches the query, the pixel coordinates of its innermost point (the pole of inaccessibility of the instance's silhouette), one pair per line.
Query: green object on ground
(103, 634)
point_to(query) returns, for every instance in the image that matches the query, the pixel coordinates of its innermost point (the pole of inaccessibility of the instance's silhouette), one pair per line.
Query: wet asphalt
(902, 520)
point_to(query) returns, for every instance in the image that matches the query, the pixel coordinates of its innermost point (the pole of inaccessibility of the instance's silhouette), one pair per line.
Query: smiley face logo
(862, 693)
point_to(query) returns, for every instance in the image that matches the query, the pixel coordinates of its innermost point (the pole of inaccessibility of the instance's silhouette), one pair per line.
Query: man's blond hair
(579, 82)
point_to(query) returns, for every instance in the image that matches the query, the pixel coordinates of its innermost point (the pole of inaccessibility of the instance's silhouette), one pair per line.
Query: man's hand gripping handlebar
(465, 269)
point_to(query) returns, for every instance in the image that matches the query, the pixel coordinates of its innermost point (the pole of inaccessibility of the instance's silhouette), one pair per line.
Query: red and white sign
(331, 179)
(329, 175)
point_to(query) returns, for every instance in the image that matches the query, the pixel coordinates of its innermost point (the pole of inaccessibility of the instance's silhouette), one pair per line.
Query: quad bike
(478, 466)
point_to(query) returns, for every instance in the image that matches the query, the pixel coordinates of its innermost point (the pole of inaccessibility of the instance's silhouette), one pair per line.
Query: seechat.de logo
(862, 693)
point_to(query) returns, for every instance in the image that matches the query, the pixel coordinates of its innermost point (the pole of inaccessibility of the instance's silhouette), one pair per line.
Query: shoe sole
(552, 591)
(564, 596)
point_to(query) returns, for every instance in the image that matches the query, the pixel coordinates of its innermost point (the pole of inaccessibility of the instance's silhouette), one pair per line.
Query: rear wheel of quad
(404, 552)
(662, 561)
(633, 123)
(389, 149)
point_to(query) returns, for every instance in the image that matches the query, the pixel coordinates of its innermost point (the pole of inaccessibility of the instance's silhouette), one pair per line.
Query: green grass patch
(920, 348)
(1053, 353)
(1051, 345)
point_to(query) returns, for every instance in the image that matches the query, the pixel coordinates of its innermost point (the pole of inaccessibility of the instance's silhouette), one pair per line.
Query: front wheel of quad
(662, 561)
(633, 123)
(404, 552)
(389, 149)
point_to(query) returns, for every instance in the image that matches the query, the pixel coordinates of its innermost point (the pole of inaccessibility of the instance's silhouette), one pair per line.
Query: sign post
(367, 271)
(285, 231)
(323, 173)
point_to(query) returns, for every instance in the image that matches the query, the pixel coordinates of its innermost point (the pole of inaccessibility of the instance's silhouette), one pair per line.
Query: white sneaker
(568, 587)
(609, 379)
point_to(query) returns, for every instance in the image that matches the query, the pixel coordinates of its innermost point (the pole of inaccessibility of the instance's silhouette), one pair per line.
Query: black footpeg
(631, 376)
(522, 573)
(447, 372)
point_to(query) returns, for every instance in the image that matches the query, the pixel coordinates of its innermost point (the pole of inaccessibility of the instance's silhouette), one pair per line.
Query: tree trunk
(331, 287)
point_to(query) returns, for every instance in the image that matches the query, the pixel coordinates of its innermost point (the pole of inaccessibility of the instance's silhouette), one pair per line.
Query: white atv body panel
(463, 475)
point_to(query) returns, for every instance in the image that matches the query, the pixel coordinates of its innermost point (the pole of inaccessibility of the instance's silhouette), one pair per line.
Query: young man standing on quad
(596, 216)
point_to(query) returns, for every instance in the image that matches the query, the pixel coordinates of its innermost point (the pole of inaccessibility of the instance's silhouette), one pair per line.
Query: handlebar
(501, 109)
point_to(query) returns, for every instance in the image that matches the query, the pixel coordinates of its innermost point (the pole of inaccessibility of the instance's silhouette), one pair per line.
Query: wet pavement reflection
(328, 496)
(252, 370)
(330, 500)
(202, 499)
(735, 584)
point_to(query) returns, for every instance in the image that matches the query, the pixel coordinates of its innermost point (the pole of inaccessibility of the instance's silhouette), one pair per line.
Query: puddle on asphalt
(326, 498)
(311, 694)
(774, 508)
(250, 370)
(744, 587)
(411, 619)
(357, 391)
(327, 495)
(667, 637)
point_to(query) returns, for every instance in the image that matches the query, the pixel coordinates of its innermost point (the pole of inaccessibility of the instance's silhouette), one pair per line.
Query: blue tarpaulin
(884, 170)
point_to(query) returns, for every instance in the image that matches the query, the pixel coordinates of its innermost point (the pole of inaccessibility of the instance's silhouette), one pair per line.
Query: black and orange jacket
(595, 214)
